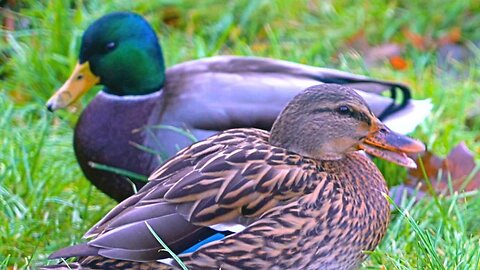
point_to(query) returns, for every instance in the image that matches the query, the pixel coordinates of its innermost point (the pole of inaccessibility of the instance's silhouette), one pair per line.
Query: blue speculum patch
(212, 238)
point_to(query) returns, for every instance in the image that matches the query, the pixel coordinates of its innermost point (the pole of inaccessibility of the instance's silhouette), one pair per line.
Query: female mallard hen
(300, 197)
(121, 52)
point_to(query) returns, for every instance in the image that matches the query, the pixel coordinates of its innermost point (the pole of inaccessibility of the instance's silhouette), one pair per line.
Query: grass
(166, 248)
(45, 201)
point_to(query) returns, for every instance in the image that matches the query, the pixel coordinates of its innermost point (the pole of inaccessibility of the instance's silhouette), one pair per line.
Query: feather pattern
(233, 175)
(282, 237)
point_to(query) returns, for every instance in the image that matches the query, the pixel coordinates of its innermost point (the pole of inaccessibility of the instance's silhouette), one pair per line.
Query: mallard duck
(127, 124)
(300, 197)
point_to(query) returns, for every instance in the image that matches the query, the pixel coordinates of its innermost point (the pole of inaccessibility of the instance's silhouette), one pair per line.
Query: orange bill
(391, 146)
(81, 80)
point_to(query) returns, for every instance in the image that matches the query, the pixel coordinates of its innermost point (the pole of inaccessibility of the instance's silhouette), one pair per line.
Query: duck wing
(221, 184)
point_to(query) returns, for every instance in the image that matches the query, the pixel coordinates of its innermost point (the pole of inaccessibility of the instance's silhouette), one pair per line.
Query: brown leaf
(358, 42)
(375, 55)
(398, 63)
(8, 16)
(452, 37)
(171, 16)
(427, 42)
(259, 47)
(457, 166)
(380, 54)
(460, 162)
(418, 41)
(19, 97)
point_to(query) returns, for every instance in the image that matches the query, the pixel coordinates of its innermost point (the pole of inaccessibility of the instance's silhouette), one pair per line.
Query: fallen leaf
(375, 55)
(171, 16)
(427, 42)
(358, 41)
(19, 97)
(458, 166)
(382, 53)
(8, 23)
(452, 37)
(398, 63)
(419, 42)
(461, 163)
(259, 47)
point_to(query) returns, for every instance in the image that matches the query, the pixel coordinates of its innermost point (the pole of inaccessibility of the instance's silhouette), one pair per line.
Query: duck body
(300, 197)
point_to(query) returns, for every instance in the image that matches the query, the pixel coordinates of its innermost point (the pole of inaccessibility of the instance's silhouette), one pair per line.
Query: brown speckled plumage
(354, 217)
(297, 211)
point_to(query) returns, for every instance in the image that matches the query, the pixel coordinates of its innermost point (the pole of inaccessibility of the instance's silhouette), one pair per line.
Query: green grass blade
(166, 248)
(122, 172)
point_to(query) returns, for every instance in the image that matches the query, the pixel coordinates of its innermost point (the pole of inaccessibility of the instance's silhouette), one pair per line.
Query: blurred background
(432, 46)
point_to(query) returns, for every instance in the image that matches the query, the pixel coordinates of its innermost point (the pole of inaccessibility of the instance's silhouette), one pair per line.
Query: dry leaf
(9, 16)
(419, 42)
(171, 16)
(452, 37)
(259, 47)
(376, 55)
(358, 42)
(457, 166)
(427, 42)
(398, 63)
(380, 54)
(19, 97)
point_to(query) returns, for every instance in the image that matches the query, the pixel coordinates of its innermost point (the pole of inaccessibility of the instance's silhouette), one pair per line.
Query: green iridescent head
(119, 51)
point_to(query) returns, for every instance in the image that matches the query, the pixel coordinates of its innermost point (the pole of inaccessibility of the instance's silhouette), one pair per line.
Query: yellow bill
(81, 80)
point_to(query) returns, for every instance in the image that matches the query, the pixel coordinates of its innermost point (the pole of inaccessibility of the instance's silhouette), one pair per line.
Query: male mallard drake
(121, 52)
(300, 197)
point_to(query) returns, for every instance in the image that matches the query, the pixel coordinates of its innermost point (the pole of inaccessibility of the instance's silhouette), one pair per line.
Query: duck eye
(344, 109)
(110, 46)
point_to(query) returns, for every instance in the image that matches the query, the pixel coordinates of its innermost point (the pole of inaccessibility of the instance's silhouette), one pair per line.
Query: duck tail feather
(80, 250)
